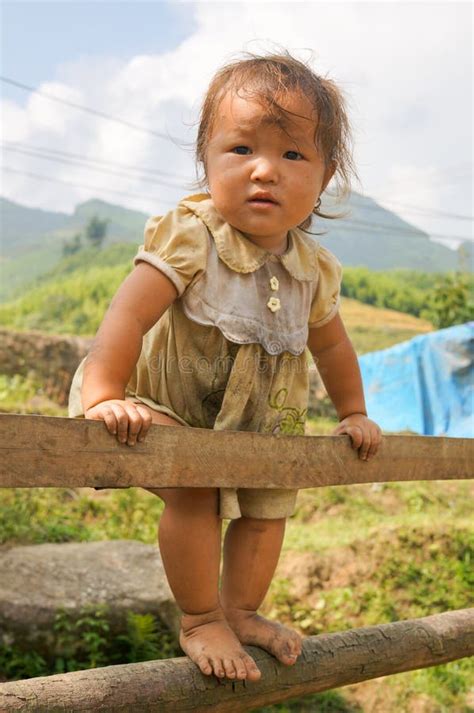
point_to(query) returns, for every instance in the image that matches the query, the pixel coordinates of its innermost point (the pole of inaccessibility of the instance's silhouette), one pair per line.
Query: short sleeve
(177, 245)
(325, 303)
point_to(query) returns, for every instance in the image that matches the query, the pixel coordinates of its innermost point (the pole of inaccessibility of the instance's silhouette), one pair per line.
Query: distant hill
(369, 235)
(23, 228)
(124, 225)
(373, 237)
(32, 240)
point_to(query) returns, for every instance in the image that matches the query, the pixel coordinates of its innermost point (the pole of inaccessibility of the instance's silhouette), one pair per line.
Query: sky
(406, 70)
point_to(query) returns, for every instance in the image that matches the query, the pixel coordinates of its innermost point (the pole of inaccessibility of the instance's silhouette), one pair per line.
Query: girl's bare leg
(190, 544)
(251, 551)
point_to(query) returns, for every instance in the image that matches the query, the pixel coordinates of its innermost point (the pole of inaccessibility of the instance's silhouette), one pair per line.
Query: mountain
(24, 228)
(369, 235)
(124, 225)
(32, 240)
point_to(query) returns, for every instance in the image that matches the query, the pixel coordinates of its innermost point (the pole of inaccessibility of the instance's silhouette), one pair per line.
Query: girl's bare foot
(209, 641)
(250, 628)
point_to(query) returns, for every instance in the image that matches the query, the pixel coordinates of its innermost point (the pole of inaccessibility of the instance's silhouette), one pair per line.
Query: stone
(38, 580)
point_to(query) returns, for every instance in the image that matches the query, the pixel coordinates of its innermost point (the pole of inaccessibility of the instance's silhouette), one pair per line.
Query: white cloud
(405, 67)
(14, 121)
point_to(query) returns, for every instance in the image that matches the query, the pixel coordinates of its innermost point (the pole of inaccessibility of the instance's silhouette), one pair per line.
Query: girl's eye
(241, 150)
(294, 155)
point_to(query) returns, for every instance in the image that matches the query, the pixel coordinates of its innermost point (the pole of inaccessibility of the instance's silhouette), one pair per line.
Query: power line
(152, 171)
(456, 167)
(13, 147)
(377, 227)
(83, 164)
(79, 185)
(80, 163)
(41, 152)
(414, 209)
(94, 112)
(168, 137)
(448, 179)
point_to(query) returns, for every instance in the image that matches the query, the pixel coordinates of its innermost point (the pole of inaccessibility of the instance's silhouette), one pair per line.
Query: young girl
(210, 328)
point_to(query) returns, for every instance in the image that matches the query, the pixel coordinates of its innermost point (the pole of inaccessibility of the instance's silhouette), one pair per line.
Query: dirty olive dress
(229, 353)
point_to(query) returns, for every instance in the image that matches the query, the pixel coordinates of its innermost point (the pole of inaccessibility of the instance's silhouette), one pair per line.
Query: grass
(39, 515)
(327, 702)
(24, 394)
(372, 328)
(344, 514)
(76, 301)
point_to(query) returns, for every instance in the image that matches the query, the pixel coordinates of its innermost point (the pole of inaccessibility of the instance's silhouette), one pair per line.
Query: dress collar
(241, 255)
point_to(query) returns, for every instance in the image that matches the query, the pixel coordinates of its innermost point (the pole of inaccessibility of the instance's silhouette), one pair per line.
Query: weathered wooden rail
(43, 451)
(176, 685)
(40, 451)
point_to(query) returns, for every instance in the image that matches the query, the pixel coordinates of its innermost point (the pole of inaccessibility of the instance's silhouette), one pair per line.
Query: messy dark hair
(264, 79)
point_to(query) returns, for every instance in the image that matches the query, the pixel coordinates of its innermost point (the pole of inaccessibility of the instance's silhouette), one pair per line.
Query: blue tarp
(425, 385)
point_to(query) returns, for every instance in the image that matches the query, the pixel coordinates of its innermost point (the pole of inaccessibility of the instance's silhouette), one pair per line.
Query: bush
(443, 299)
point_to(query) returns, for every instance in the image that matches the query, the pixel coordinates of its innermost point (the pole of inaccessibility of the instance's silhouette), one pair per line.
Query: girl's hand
(124, 419)
(365, 434)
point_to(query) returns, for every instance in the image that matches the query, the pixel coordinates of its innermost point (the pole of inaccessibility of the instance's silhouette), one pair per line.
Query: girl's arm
(139, 302)
(337, 364)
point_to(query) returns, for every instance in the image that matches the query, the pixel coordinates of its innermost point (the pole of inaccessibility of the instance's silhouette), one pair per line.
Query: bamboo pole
(44, 451)
(176, 685)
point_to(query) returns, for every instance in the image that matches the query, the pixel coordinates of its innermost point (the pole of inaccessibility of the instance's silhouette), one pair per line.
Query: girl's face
(264, 179)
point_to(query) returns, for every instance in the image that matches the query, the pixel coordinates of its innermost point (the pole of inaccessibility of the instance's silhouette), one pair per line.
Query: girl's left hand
(365, 434)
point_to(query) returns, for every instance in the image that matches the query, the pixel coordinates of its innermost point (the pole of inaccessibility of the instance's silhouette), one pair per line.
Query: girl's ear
(328, 174)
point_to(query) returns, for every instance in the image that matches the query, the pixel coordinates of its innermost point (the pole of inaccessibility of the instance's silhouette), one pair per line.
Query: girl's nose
(264, 170)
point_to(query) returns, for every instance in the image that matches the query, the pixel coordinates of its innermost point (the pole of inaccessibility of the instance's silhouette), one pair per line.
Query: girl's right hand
(126, 420)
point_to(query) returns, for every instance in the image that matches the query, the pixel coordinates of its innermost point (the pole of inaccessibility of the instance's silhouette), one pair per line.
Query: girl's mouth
(263, 199)
(259, 203)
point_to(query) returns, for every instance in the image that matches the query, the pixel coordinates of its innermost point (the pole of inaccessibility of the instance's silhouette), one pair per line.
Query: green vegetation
(443, 299)
(24, 394)
(73, 515)
(71, 305)
(328, 702)
(402, 290)
(453, 300)
(116, 255)
(20, 274)
(85, 643)
(34, 239)
(73, 296)
(95, 232)
(70, 247)
(413, 573)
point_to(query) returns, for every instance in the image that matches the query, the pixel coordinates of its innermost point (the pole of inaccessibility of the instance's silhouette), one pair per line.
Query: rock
(37, 580)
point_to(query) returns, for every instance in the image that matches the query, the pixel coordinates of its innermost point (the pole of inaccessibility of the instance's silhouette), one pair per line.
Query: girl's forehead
(237, 111)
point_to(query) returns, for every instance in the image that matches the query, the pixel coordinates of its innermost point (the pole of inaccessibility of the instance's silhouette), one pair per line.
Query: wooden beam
(176, 685)
(44, 451)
